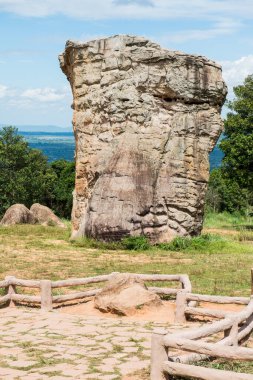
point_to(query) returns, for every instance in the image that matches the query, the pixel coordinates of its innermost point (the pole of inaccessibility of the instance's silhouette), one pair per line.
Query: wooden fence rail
(235, 326)
(178, 369)
(47, 300)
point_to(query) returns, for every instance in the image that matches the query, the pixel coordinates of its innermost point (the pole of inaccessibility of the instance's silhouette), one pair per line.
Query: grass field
(219, 262)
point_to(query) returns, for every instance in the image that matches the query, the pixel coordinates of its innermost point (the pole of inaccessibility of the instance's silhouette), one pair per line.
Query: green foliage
(132, 243)
(225, 193)
(238, 144)
(196, 243)
(25, 176)
(87, 242)
(231, 186)
(63, 187)
(136, 243)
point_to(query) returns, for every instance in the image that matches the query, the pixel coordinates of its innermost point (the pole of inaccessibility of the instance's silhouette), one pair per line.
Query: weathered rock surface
(145, 120)
(45, 215)
(125, 294)
(18, 214)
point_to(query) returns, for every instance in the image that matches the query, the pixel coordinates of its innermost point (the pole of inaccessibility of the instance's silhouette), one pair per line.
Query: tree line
(231, 186)
(27, 177)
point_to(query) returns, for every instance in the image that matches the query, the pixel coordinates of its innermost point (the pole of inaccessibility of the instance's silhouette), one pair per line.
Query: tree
(225, 194)
(25, 176)
(233, 181)
(63, 187)
(238, 143)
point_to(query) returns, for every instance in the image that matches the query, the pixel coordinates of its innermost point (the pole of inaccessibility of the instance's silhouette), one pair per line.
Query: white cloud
(234, 72)
(222, 27)
(3, 91)
(143, 3)
(35, 98)
(44, 94)
(141, 9)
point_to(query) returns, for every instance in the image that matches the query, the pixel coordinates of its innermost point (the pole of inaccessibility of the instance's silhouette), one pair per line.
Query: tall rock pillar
(145, 120)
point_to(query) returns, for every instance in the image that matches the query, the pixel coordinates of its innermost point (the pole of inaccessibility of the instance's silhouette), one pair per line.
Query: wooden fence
(235, 327)
(47, 300)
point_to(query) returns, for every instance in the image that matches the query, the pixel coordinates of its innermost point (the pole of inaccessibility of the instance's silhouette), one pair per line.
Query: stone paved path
(38, 346)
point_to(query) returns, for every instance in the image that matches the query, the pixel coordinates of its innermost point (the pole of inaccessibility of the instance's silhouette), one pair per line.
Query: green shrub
(230, 186)
(136, 243)
(132, 243)
(226, 194)
(188, 243)
(63, 187)
(87, 242)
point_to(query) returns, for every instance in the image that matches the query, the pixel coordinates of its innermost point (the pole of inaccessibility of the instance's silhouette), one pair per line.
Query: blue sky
(33, 89)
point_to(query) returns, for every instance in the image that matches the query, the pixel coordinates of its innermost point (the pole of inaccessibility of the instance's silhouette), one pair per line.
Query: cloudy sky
(33, 90)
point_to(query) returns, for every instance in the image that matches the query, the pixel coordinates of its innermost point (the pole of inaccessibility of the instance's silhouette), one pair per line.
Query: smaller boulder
(45, 216)
(125, 294)
(18, 214)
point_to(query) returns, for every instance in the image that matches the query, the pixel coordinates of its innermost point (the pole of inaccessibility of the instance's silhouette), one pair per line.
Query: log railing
(185, 308)
(45, 287)
(235, 327)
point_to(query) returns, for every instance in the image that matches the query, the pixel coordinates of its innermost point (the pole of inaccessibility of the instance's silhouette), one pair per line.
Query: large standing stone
(145, 120)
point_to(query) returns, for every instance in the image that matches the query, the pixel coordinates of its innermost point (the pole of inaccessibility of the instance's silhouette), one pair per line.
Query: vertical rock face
(145, 120)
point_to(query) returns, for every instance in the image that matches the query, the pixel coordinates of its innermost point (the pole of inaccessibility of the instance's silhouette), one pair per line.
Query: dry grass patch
(37, 252)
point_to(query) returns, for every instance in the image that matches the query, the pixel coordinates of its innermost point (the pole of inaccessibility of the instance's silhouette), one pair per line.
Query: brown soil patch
(220, 231)
(146, 259)
(226, 307)
(165, 313)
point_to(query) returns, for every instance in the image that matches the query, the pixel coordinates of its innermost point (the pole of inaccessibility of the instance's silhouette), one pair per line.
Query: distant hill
(40, 128)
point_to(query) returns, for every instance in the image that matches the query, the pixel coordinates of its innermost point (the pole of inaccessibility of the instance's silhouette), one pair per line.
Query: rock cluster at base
(45, 215)
(20, 214)
(125, 294)
(145, 120)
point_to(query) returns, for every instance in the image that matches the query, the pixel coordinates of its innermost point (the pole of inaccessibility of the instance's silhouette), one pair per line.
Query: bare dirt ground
(165, 313)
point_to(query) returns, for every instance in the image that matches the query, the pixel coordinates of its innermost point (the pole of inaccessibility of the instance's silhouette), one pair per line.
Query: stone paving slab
(35, 345)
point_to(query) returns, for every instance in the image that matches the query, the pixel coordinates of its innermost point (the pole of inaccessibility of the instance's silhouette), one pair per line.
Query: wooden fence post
(46, 295)
(159, 354)
(232, 332)
(181, 304)
(11, 289)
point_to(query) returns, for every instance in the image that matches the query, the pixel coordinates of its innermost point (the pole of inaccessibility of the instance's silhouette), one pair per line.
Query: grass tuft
(196, 243)
(136, 243)
(227, 220)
